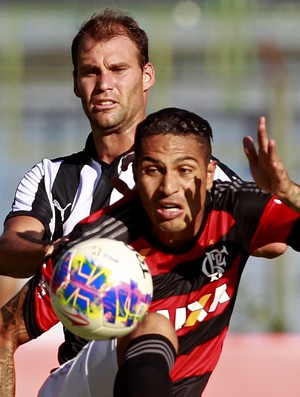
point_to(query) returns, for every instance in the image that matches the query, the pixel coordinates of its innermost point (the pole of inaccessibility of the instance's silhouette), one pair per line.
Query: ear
(75, 85)
(148, 76)
(210, 174)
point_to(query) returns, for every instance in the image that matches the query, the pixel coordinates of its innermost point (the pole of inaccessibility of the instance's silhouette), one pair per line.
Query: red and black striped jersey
(196, 287)
(59, 193)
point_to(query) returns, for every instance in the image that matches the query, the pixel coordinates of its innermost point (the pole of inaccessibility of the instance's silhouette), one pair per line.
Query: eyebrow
(178, 160)
(148, 158)
(112, 64)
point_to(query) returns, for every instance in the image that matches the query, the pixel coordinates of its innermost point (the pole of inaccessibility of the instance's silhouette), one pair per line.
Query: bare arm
(268, 170)
(270, 251)
(13, 333)
(22, 248)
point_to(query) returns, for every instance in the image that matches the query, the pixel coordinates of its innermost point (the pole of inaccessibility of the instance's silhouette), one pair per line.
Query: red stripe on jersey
(201, 360)
(275, 224)
(217, 225)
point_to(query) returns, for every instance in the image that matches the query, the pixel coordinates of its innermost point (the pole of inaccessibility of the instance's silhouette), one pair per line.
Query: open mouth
(169, 210)
(170, 207)
(104, 103)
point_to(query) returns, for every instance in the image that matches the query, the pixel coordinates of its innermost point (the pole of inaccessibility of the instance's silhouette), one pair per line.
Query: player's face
(172, 178)
(111, 84)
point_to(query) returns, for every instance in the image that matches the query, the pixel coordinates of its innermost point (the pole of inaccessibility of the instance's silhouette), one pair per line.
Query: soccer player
(112, 77)
(197, 234)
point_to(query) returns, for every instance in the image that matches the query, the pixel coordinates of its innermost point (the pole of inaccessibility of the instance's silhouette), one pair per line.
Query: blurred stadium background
(228, 60)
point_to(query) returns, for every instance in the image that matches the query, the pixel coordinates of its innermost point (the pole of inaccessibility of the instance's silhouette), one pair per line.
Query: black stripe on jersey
(190, 387)
(104, 188)
(213, 328)
(188, 276)
(38, 205)
(245, 202)
(221, 189)
(41, 212)
(65, 188)
(70, 347)
(293, 239)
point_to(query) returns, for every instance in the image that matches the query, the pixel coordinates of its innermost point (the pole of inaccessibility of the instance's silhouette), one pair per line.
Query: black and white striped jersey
(63, 191)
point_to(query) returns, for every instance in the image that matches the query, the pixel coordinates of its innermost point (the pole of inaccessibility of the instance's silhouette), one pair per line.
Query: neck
(178, 240)
(111, 146)
(181, 238)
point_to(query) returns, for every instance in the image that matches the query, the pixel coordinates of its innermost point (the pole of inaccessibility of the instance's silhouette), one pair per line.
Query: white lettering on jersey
(197, 310)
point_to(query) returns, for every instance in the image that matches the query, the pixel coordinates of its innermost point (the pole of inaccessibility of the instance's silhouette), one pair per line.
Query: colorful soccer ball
(101, 289)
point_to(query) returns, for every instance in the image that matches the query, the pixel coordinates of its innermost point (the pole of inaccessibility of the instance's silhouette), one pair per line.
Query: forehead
(119, 46)
(173, 146)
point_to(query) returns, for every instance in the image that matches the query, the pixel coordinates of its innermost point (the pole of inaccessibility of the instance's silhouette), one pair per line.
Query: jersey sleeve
(259, 217)
(278, 223)
(32, 198)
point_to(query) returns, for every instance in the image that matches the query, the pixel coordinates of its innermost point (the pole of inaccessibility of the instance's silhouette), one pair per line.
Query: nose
(104, 81)
(169, 184)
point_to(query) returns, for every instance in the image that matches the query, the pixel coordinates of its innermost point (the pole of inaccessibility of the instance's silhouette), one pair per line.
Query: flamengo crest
(214, 263)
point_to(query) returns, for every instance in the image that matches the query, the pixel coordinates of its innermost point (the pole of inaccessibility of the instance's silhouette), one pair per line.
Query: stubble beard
(107, 124)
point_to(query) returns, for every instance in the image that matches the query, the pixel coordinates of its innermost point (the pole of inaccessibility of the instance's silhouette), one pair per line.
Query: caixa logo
(214, 263)
(198, 310)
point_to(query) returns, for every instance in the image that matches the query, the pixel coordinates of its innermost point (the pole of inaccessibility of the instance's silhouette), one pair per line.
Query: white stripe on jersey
(125, 176)
(27, 188)
(89, 179)
(220, 174)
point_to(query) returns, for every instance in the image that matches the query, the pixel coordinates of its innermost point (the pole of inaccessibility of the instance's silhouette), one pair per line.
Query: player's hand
(55, 246)
(266, 167)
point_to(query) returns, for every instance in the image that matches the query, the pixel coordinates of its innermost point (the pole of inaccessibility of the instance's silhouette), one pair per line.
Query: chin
(172, 229)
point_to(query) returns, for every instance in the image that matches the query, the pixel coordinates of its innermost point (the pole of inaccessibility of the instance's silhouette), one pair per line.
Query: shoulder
(47, 163)
(121, 221)
(73, 158)
(237, 187)
(238, 195)
(51, 166)
(223, 172)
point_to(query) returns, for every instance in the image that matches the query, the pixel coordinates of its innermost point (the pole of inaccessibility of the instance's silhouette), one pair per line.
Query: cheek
(146, 190)
(195, 193)
(86, 86)
(146, 202)
(133, 90)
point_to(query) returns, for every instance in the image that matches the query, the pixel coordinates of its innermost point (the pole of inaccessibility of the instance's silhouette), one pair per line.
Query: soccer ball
(101, 289)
